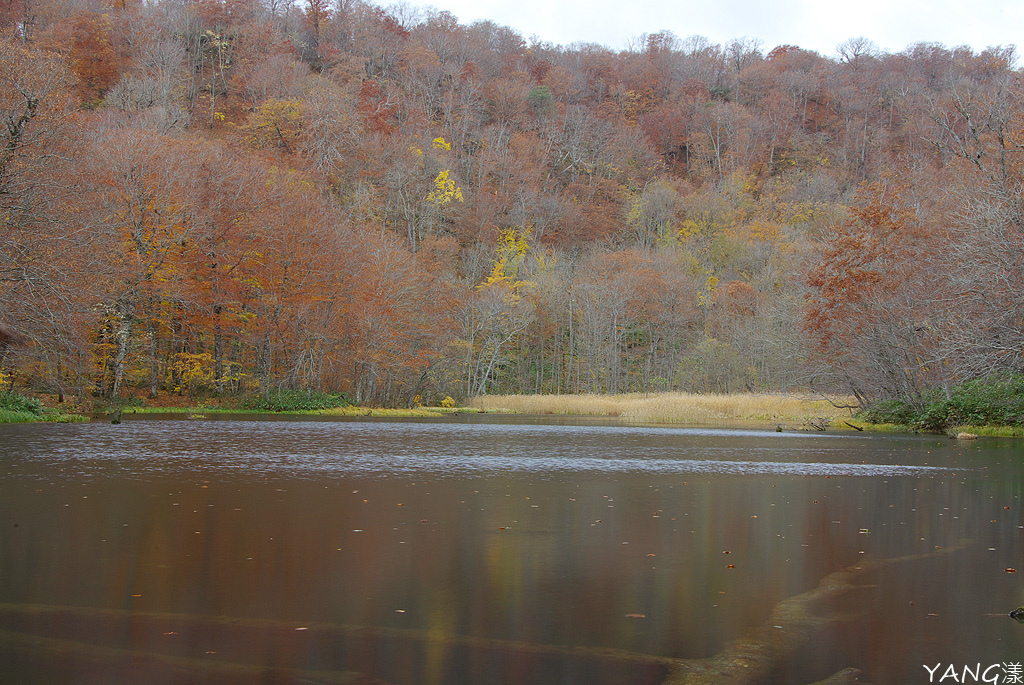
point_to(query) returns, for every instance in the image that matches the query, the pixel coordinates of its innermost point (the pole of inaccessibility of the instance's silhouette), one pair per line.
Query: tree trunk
(122, 338)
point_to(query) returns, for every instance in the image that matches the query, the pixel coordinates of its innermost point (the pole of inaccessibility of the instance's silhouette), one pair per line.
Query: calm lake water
(490, 550)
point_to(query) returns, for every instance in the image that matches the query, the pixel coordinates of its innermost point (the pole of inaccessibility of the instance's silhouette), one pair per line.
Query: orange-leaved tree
(870, 308)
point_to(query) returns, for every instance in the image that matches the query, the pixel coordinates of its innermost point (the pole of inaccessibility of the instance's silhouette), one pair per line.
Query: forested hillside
(209, 197)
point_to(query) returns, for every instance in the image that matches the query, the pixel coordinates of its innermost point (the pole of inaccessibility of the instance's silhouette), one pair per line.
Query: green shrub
(998, 402)
(936, 416)
(7, 416)
(13, 402)
(15, 408)
(294, 400)
(993, 401)
(889, 411)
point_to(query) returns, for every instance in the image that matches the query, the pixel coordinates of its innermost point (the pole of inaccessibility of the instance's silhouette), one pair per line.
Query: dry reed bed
(673, 407)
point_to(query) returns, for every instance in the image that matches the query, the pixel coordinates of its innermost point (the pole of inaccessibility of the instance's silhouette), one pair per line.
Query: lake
(481, 549)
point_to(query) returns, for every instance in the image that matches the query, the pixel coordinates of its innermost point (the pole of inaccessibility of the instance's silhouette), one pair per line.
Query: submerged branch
(791, 624)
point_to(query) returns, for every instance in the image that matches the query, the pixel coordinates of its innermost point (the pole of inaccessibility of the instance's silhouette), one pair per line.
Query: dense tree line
(232, 197)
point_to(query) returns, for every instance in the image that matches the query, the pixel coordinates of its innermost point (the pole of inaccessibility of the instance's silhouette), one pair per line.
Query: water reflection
(413, 552)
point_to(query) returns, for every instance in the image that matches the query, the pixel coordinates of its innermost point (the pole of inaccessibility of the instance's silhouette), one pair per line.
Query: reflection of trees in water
(219, 649)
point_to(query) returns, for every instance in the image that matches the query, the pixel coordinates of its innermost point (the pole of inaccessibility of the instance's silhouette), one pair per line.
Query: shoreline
(781, 412)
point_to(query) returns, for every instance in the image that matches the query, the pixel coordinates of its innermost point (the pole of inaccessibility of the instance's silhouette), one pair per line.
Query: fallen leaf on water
(636, 615)
(731, 566)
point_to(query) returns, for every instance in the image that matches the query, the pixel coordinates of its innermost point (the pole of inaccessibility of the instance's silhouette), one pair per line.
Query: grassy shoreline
(55, 417)
(199, 410)
(788, 411)
(785, 410)
(7, 416)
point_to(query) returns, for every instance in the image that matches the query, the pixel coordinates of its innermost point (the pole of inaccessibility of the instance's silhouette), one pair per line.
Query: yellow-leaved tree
(276, 123)
(497, 313)
(510, 256)
(423, 191)
(444, 190)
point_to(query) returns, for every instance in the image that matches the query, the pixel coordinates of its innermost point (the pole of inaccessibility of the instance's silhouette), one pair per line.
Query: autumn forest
(229, 198)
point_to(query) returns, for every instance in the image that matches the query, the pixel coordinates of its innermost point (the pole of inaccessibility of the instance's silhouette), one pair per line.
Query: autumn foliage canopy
(232, 198)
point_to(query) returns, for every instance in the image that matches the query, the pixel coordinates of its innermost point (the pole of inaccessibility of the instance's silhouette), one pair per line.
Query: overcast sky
(811, 24)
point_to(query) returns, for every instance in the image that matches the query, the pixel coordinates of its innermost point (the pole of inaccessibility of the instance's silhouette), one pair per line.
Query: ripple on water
(314, 449)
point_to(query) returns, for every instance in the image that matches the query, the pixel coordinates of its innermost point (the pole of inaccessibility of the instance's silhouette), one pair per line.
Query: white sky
(818, 25)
